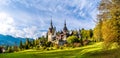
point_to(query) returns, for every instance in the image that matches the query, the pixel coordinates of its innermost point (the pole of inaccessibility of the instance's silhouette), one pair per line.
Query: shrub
(0, 49)
(16, 48)
(61, 47)
(66, 45)
(86, 42)
(73, 46)
(10, 50)
(49, 44)
(47, 49)
(44, 47)
(51, 48)
(72, 39)
(77, 44)
(56, 46)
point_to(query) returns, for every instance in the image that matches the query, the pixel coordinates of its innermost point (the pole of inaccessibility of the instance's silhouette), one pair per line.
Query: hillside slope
(90, 51)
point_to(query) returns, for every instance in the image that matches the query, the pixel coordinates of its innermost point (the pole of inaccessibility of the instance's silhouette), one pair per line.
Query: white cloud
(8, 27)
(6, 22)
(26, 18)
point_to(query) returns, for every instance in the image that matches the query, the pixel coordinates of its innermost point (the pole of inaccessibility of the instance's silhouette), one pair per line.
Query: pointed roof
(65, 27)
(51, 25)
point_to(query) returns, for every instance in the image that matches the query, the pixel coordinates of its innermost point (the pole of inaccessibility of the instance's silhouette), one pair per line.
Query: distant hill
(10, 40)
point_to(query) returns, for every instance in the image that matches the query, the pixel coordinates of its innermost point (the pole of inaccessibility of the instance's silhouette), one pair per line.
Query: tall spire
(51, 25)
(65, 27)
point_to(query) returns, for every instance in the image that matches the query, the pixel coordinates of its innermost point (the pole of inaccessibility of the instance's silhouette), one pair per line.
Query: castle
(55, 37)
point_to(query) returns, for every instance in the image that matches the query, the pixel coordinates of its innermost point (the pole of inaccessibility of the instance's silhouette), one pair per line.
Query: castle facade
(57, 37)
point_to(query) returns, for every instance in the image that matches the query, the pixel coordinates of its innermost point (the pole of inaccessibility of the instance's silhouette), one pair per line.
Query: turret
(65, 27)
(51, 25)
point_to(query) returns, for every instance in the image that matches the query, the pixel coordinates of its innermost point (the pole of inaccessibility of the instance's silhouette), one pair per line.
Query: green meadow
(89, 51)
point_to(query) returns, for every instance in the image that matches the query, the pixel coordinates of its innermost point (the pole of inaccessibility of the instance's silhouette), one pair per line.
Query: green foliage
(56, 46)
(48, 44)
(16, 49)
(90, 33)
(86, 34)
(72, 39)
(1, 49)
(37, 47)
(110, 21)
(37, 42)
(97, 33)
(44, 47)
(27, 43)
(81, 41)
(21, 45)
(10, 49)
(33, 43)
(77, 44)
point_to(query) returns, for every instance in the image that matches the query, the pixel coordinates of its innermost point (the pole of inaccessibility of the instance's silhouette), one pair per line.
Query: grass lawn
(90, 51)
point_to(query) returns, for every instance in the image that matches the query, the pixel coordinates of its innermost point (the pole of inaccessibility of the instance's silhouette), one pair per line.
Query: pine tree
(21, 45)
(27, 45)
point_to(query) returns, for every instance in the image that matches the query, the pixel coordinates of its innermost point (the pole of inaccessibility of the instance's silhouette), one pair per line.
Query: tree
(33, 43)
(27, 45)
(81, 41)
(72, 39)
(10, 49)
(110, 17)
(90, 33)
(48, 44)
(37, 42)
(86, 34)
(21, 45)
(1, 49)
(97, 33)
(102, 16)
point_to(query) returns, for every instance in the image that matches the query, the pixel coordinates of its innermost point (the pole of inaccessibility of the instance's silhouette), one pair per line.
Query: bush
(37, 47)
(73, 46)
(72, 39)
(0, 49)
(44, 47)
(86, 42)
(51, 48)
(56, 46)
(10, 50)
(77, 44)
(16, 48)
(47, 49)
(66, 45)
(61, 47)
(49, 44)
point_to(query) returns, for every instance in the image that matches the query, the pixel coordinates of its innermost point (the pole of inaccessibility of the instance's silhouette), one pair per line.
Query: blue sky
(31, 18)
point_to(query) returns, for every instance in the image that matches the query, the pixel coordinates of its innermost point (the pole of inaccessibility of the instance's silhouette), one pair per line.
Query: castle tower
(51, 32)
(65, 31)
(51, 25)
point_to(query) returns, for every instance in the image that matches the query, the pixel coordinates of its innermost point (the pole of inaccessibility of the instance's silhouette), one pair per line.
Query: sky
(31, 18)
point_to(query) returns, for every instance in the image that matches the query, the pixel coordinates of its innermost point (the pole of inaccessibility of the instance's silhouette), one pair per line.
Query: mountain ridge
(10, 40)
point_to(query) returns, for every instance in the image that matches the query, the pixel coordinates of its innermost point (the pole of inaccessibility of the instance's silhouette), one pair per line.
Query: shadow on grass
(60, 54)
(115, 53)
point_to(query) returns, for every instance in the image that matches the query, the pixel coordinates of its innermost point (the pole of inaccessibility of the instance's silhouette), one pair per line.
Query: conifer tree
(21, 45)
